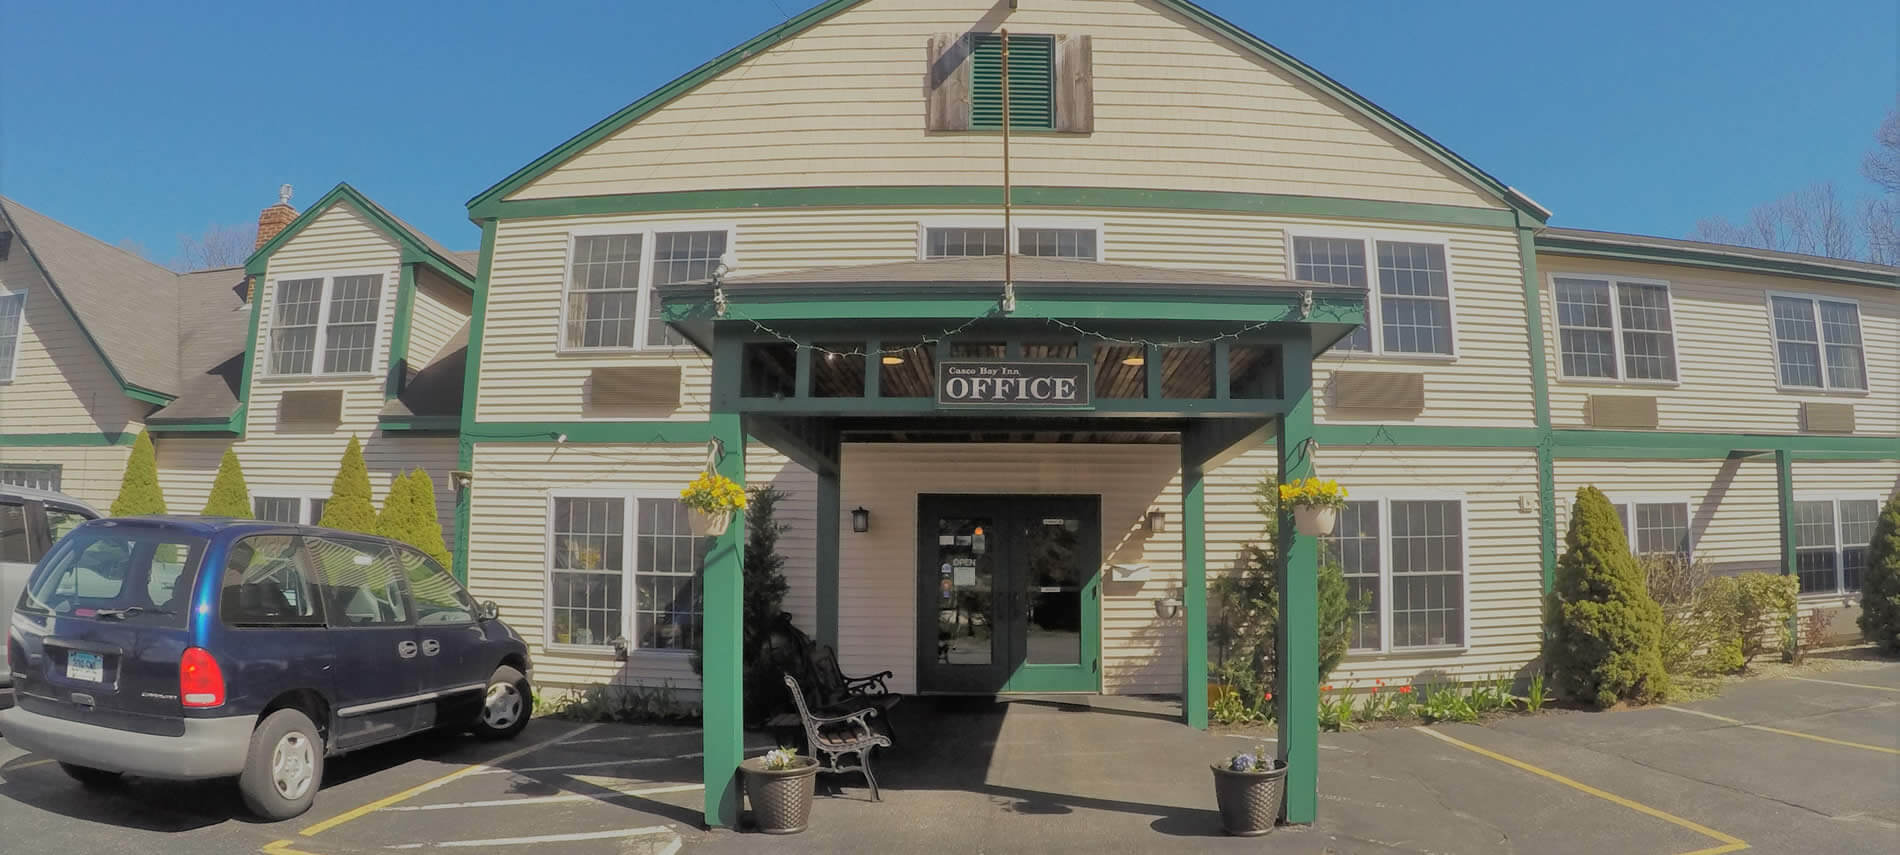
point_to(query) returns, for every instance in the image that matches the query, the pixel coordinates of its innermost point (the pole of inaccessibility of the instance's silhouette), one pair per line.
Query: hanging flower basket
(712, 499)
(1315, 505)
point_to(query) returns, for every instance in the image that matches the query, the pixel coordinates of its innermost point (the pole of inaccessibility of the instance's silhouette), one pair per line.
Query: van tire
(507, 704)
(283, 769)
(90, 778)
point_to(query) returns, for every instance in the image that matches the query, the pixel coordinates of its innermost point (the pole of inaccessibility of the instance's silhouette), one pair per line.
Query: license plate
(90, 667)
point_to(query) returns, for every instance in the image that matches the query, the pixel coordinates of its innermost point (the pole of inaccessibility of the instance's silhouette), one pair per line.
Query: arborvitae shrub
(139, 493)
(409, 515)
(1880, 582)
(349, 507)
(229, 496)
(1604, 630)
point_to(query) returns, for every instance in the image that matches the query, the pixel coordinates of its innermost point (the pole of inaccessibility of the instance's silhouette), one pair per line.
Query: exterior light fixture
(461, 479)
(1167, 607)
(890, 359)
(860, 520)
(1135, 360)
(1157, 522)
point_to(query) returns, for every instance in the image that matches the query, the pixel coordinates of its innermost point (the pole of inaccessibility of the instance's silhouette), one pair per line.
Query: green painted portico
(1224, 362)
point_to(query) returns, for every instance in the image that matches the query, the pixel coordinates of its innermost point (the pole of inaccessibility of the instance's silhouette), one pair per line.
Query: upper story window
(12, 315)
(1050, 241)
(1628, 336)
(1817, 342)
(1032, 103)
(610, 302)
(1410, 309)
(325, 325)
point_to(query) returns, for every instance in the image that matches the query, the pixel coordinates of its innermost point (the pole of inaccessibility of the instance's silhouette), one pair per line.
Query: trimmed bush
(229, 497)
(139, 493)
(409, 515)
(1604, 630)
(1880, 582)
(1755, 607)
(1697, 638)
(350, 508)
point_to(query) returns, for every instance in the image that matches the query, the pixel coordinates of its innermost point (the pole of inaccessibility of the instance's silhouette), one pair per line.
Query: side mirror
(490, 611)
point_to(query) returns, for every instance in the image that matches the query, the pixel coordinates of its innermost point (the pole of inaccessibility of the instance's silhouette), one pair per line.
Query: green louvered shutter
(1032, 103)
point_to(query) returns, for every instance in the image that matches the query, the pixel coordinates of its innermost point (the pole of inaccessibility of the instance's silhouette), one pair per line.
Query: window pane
(104, 568)
(268, 581)
(1585, 334)
(1648, 335)
(1427, 573)
(1815, 559)
(34, 476)
(1662, 529)
(281, 510)
(1057, 243)
(362, 582)
(962, 242)
(680, 257)
(1858, 519)
(1334, 261)
(1795, 342)
(1840, 330)
(293, 339)
(1414, 298)
(59, 523)
(1355, 545)
(588, 554)
(13, 541)
(438, 598)
(669, 562)
(603, 291)
(316, 511)
(12, 307)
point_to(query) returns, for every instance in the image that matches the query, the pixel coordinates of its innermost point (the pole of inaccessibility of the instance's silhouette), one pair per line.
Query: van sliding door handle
(406, 649)
(431, 647)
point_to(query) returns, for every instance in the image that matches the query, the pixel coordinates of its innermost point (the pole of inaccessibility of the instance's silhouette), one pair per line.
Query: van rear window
(140, 576)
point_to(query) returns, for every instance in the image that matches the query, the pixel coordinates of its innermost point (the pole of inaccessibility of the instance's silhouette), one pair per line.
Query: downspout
(1009, 248)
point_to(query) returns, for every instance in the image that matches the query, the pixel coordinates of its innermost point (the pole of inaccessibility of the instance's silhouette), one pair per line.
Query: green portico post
(1297, 694)
(1194, 585)
(721, 688)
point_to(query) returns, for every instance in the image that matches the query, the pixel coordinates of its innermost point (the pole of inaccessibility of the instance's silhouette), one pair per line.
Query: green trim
(399, 332)
(721, 687)
(256, 294)
(464, 461)
(1712, 259)
(1784, 493)
(1297, 579)
(427, 424)
(1194, 589)
(71, 440)
(489, 202)
(465, 454)
(413, 249)
(549, 433)
(1672, 443)
(1425, 436)
(232, 425)
(1540, 405)
(939, 196)
(140, 393)
(1032, 79)
(1578, 443)
(826, 524)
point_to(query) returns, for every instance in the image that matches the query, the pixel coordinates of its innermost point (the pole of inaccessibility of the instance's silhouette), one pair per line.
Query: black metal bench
(830, 738)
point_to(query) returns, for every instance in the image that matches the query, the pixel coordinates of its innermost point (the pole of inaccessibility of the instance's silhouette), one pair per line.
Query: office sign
(1013, 385)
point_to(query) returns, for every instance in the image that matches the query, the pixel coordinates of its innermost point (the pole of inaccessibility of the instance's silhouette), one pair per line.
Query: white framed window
(608, 300)
(1831, 534)
(286, 506)
(1615, 328)
(1406, 554)
(623, 565)
(1817, 342)
(1410, 309)
(1656, 524)
(972, 237)
(12, 319)
(325, 325)
(33, 476)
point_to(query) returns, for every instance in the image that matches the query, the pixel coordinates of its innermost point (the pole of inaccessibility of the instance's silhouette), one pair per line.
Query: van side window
(60, 521)
(13, 546)
(362, 581)
(268, 581)
(439, 599)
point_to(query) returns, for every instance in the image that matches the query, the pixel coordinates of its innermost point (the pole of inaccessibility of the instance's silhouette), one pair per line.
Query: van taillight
(200, 683)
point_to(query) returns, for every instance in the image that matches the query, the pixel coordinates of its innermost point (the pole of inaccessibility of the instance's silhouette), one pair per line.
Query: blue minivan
(192, 647)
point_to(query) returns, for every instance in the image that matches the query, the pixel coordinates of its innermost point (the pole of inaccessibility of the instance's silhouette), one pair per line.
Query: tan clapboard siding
(1860, 479)
(798, 545)
(303, 465)
(90, 474)
(1734, 504)
(843, 104)
(60, 383)
(508, 519)
(1726, 346)
(440, 310)
(1503, 578)
(523, 378)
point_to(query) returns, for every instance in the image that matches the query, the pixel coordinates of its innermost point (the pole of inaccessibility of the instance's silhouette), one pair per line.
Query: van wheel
(284, 767)
(507, 704)
(92, 778)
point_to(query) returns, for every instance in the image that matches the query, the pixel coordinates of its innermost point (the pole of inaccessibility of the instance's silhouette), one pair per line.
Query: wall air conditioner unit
(1130, 572)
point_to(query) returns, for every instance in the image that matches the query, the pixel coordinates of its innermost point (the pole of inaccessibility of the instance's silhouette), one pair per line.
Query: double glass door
(1008, 594)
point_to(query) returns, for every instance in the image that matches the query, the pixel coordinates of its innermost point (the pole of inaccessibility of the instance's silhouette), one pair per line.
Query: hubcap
(293, 763)
(502, 707)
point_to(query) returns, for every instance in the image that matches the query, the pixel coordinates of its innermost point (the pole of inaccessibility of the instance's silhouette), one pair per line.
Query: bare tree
(1812, 221)
(218, 246)
(1881, 215)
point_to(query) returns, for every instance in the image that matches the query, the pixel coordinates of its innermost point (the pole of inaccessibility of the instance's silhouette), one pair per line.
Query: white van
(31, 521)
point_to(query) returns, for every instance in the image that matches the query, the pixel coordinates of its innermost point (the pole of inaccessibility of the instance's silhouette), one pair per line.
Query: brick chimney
(273, 219)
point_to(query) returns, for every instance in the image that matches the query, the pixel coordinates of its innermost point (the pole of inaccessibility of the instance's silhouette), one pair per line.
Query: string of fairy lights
(912, 341)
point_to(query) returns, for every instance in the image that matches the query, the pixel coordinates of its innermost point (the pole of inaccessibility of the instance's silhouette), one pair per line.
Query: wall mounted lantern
(1169, 606)
(860, 520)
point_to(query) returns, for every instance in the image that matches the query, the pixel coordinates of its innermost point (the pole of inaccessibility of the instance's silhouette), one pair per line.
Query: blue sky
(144, 121)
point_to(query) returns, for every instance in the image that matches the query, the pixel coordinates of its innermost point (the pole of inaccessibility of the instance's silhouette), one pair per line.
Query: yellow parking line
(30, 764)
(1846, 683)
(1739, 723)
(379, 804)
(1729, 842)
(282, 847)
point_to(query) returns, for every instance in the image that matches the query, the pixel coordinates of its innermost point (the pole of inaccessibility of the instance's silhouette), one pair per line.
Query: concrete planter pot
(781, 798)
(1314, 520)
(706, 524)
(1249, 801)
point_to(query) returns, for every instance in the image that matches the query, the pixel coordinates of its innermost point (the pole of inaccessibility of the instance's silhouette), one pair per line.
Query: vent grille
(311, 409)
(1623, 411)
(634, 388)
(1827, 418)
(1379, 390)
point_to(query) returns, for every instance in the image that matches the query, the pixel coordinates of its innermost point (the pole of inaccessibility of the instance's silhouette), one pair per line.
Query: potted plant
(1248, 788)
(712, 498)
(1315, 505)
(779, 785)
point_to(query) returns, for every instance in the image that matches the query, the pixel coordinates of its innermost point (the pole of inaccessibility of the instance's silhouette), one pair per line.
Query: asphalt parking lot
(1799, 764)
